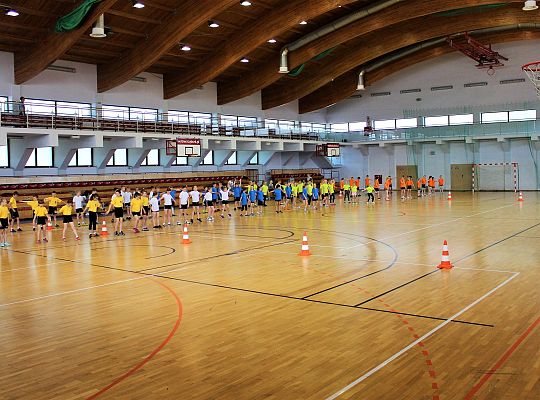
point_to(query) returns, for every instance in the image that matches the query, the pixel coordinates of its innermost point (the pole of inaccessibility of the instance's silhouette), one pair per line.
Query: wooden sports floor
(239, 315)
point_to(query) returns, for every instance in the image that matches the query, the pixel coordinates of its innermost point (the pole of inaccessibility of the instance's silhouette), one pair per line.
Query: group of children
(144, 206)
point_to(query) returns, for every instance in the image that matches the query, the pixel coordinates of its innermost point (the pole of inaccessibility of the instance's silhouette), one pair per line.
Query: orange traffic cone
(449, 195)
(305, 246)
(520, 197)
(49, 226)
(445, 260)
(185, 236)
(104, 230)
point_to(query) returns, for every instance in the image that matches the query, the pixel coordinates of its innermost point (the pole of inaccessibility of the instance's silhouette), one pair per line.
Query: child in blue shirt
(278, 196)
(243, 202)
(252, 200)
(315, 195)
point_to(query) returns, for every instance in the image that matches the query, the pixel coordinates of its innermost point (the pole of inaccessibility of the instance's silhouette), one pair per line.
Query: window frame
(112, 160)
(235, 154)
(145, 163)
(256, 156)
(76, 157)
(8, 159)
(210, 153)
(35, 155)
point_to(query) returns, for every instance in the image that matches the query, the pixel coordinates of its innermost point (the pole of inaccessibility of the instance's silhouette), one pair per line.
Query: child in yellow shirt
(42, 217)
(66, 211)
(4, 223)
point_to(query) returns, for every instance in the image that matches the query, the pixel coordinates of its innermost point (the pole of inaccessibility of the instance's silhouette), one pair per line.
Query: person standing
(67, 214)
(14, 211)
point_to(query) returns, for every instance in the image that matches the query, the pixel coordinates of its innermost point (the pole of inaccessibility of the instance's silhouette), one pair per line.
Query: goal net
(495, 177)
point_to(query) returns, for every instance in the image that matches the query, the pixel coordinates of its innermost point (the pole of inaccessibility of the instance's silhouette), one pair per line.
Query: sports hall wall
(435, 159)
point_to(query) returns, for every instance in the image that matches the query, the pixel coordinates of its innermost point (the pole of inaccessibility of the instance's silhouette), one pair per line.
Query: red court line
(502, 360)
(154, 352)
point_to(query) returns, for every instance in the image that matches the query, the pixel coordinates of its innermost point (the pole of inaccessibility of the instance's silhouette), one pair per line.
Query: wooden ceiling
(149, 39)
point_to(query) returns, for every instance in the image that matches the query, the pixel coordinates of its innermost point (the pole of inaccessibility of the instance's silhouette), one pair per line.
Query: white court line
(414, 230)
(410, 346)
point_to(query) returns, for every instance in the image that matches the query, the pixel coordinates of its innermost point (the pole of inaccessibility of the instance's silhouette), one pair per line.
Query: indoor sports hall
(269, 199)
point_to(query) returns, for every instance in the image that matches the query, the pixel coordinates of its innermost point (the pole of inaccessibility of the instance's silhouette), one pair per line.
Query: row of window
(43, 157)
(439, 120)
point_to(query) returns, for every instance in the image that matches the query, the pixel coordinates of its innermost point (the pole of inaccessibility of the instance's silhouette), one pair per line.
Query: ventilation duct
(475, 84)
(436, 88)
(360, 85)
(510, 81)
(329, 28)
(98, 31)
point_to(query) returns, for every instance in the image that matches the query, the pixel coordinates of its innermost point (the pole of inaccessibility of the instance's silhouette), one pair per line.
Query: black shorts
(52, 210)
(260, 202)
(127, 205)
(118, 212)
(136, 213)
(79, 210)
(376, 189)
(278, 200)
(237, 199)
(225, 202)
(145, 210)
(423, 186)
(244, 207)
(4, 223)
(195, 204)
(67, 219)
(390, 187)
(14, 213)
(402, 187)
(183, 206)
(209, 203)
(409, 187)
(168, 207)
(41, 220)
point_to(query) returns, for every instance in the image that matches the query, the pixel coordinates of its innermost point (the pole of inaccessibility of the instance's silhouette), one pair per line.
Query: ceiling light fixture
(244, 60)
(185, 47)
(137, 4)
(530, 5)
(303, 23)
(272, 41)
(245, 3)
(213, 24)
(98, 31)
(10, 12)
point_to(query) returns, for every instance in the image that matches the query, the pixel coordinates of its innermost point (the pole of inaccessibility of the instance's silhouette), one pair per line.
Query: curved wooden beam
(36, 58)
(345, 85)
(267, 73)
(189, 15)
(370, 47)
(273, 23)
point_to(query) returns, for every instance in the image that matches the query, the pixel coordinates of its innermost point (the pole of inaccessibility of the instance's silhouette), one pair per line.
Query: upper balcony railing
(514, 128)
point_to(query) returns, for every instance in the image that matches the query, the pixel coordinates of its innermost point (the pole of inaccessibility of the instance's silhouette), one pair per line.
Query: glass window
(41, 157)
(405, 123)
(357, 126)
(441, 120)
(318, 127)
(229, 121)
(180, 160)
(254, 160)
(43, 107)
(143, 114)
(287, 125)
(339, 127)
(200, 118)
(82, 158)
(119, 158)
(69, 108)
(179, 117)
(3, 104)
(232, 159)
(247, 122)
(4, 157)
(114, 112)
(271, 123)
(208, 159)
(152, 159)
(461, 119)
(385, 124)
(522, 115)
(490, 117)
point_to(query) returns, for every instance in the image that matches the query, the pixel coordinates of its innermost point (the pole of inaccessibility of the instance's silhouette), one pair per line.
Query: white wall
(452, 69)
(81, 87)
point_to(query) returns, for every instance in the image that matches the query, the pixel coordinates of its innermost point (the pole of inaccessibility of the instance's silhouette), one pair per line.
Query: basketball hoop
(532, 70)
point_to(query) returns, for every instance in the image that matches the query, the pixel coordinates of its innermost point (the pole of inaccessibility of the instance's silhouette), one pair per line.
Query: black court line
(396, 288)
(154, 275)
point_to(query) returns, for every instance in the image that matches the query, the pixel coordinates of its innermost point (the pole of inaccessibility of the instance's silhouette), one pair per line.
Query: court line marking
(420, 339)
(419, 229)
(507, 354)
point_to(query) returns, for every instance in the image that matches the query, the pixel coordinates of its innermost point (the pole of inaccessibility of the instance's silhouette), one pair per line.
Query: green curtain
(72, 20)
(298, 70)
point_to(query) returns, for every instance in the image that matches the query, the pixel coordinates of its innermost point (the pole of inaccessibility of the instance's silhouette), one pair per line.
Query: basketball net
(533, 72)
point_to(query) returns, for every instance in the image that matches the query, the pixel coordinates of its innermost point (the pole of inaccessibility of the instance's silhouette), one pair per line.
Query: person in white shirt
(154, 206)
(195, 203)
(168, 201)
(183, 196)
(126, 195)
(78, 200)
(225, 202)
(209, 204)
